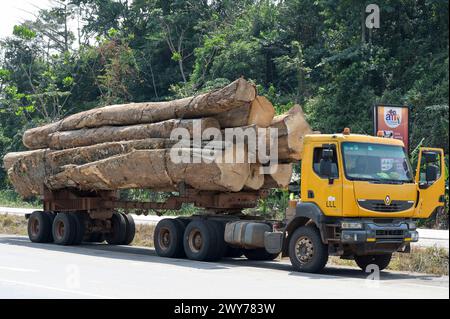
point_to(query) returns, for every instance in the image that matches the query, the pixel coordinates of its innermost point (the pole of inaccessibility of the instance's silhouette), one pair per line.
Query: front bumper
(375, 237)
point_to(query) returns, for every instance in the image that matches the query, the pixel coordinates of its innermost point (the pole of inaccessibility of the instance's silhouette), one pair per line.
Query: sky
(13, 12)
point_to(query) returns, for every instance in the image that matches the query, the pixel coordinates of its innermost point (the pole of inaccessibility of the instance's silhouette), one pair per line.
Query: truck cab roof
(339, 137)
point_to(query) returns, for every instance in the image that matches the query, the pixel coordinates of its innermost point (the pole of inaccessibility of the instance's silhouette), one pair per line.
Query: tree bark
(91, 136)
(235, 95)
(151, 169)
(292, 128)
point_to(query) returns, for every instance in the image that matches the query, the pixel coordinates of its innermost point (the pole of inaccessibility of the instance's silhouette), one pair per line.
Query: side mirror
(327, 154)
(325, 168)
(430, 157)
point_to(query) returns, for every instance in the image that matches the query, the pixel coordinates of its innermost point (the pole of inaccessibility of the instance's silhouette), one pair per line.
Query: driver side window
(430, 168)
(317, 158)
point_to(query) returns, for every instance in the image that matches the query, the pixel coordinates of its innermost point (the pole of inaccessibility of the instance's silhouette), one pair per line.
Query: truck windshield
(376, 162)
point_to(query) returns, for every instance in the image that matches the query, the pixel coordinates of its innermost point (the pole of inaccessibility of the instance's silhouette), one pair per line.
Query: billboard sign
(392, 121)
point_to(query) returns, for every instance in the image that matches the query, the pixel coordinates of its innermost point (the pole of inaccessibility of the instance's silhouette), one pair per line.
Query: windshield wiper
(387, 181)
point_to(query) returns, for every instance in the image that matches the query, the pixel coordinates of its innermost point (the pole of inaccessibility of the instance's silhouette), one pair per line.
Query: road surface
(30, 270)
(427, 237)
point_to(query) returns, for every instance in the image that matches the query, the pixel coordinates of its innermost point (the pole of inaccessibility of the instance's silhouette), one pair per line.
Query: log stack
(130, 146)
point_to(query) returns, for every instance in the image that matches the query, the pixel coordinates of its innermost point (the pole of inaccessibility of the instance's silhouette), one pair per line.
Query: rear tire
(40, 227)
(64, 229)
(306, 250)
(80, 226)
(259, 254)
(200, 240)
(382, 261)
(220, 248)
(130, 229)
(118, 230)
(168, 238)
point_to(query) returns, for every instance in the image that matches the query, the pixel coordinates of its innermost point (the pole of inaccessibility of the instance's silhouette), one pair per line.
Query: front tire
(382, 261)
(306, 250)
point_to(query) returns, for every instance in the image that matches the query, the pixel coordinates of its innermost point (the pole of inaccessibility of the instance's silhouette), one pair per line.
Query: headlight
(351, 225)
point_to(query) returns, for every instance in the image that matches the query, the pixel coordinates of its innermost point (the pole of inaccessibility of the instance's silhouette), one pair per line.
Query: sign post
(392, 121)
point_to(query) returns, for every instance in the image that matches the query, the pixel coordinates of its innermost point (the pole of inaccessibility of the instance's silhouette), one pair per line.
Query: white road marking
(18, 269)
(77, 292)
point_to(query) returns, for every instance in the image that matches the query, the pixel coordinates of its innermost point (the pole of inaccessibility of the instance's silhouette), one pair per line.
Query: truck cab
(360, 199)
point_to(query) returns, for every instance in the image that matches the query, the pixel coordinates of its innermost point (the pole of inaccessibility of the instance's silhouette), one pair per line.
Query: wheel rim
(35, 227)
(304, 250)
(164, 238)
(195, 240)
(59, 229)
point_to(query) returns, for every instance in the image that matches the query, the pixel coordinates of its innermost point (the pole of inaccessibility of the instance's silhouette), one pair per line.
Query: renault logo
(387, 200)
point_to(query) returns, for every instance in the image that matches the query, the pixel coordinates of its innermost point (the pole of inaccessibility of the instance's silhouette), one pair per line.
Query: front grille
(389, 232)
(379, 205)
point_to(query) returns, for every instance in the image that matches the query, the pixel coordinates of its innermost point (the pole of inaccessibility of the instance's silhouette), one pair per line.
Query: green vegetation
(9, 198)
(316, 53)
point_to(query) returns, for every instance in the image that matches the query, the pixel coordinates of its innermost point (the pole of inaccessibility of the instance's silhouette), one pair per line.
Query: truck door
(430, 180)
(322, 181)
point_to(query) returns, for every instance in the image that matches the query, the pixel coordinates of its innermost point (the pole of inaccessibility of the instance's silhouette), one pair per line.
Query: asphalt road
(30, 270)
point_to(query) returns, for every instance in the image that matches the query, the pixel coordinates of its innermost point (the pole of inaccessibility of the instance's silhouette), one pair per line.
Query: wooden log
(292, 127)
(235, 95)
(280, 178)
(31, 169)
(255, 179)
(27, 172)
(151, 169)
(90, 136)
(259, 112)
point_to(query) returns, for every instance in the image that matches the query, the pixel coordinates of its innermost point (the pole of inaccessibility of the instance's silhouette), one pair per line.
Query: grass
(9, 198)
(13, 225)
(144, 235)
(430, 260)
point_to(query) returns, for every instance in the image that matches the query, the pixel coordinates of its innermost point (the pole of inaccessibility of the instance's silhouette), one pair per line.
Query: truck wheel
(131, 229)
(118, 230)
(40, 227)
(168, 238)
(306, 250)
(382, 261)
(64, 229)
(200, 240)
(259, 254)
(80, 226)
(221, 247)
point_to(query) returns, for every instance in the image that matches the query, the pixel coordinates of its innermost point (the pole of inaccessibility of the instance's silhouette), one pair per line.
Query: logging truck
(358, 199)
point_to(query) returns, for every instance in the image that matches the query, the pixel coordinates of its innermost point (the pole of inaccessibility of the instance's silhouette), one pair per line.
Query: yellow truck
(358, 200)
